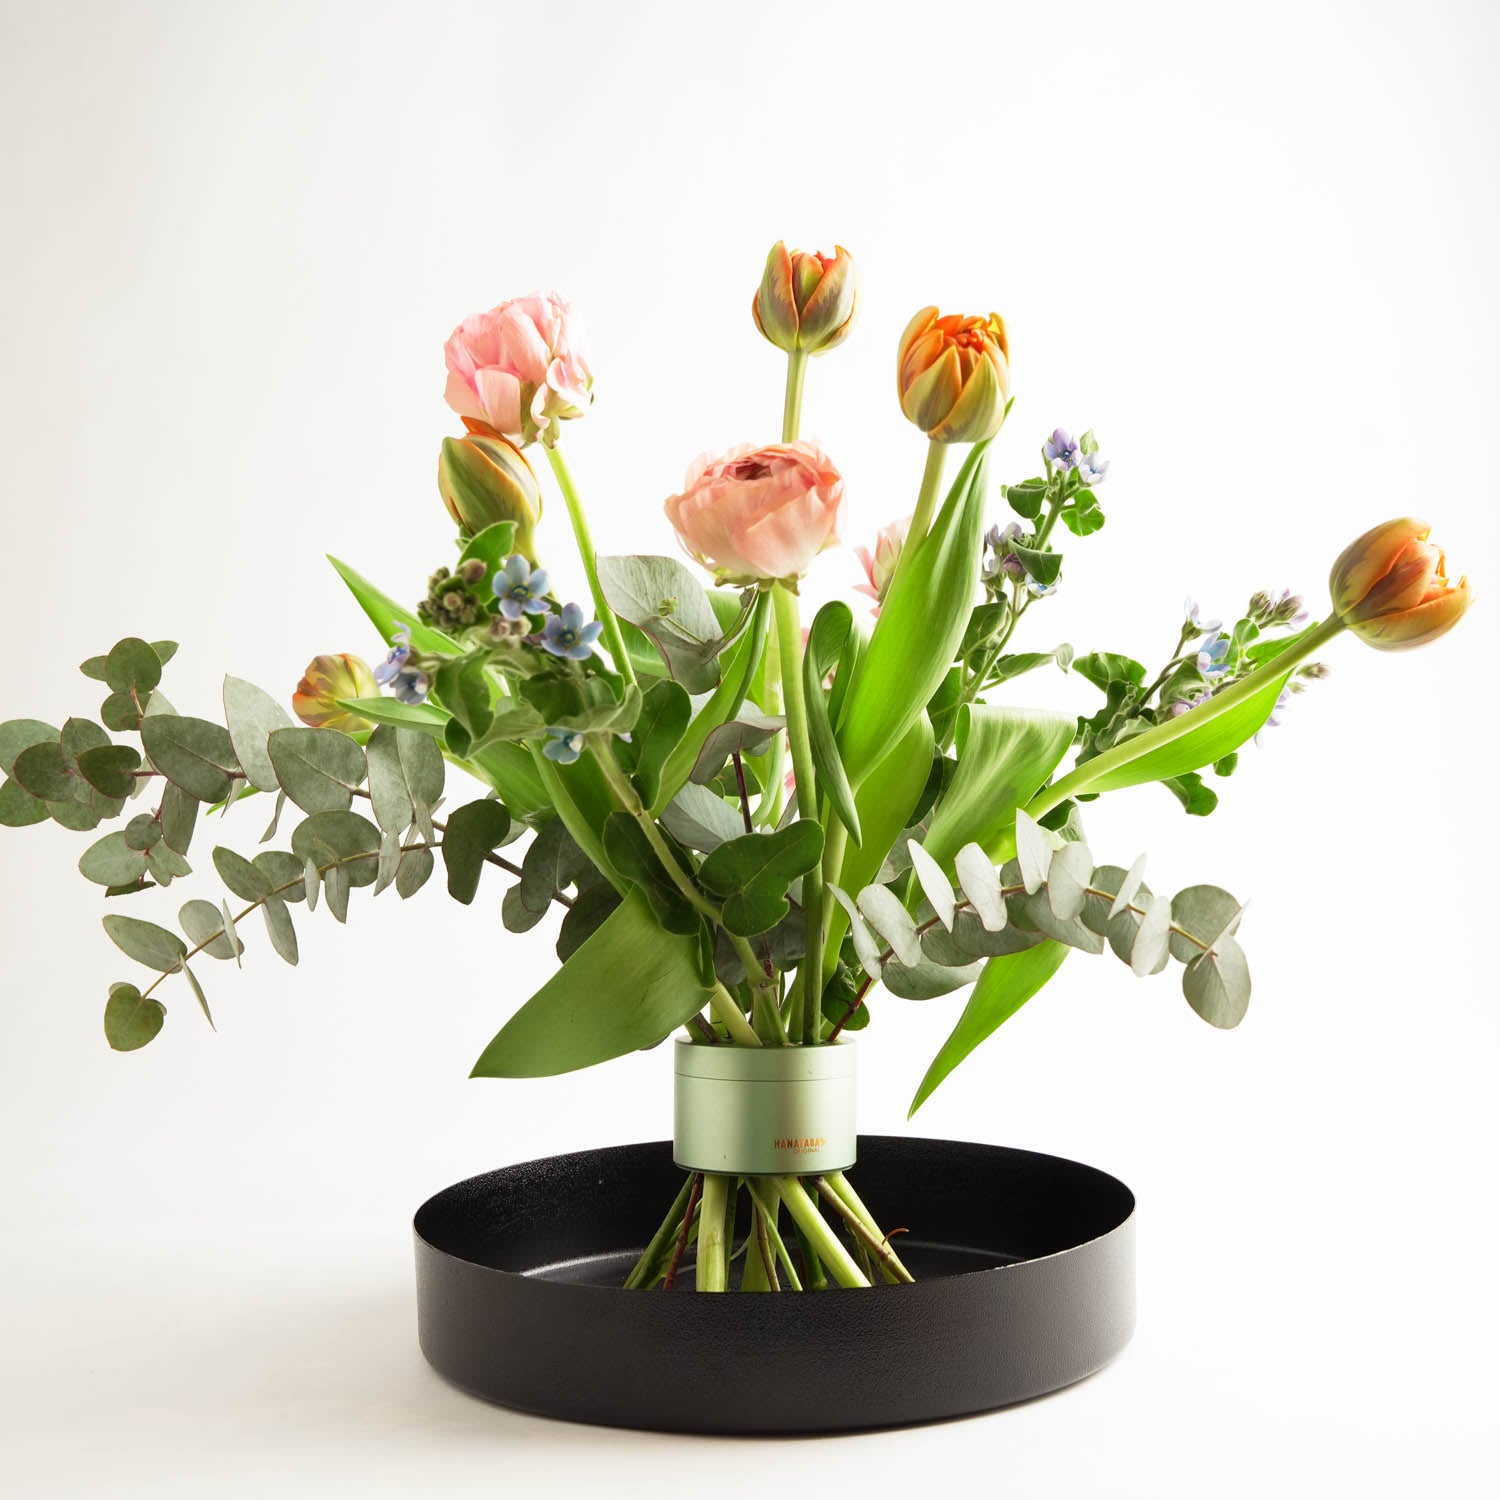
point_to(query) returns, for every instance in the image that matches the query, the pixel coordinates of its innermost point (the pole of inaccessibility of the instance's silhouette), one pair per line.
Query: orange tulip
(1391, 589)
(806, 301)
(953, 375)
(328, 679)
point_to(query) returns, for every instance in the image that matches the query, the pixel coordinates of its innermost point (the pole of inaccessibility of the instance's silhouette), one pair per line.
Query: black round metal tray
(1025, 1268)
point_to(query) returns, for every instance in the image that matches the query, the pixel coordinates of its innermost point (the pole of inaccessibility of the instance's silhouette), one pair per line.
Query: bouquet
(748, 821)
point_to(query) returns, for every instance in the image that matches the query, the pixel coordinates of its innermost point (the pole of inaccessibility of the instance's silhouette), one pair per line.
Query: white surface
(1254, 248)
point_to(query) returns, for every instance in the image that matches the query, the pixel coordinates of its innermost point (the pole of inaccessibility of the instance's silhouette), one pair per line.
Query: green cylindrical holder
(764, 1111)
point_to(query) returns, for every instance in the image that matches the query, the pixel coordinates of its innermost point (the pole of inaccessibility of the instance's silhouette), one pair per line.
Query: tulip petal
(1368, 558)
(1416, 627)
(979, 410)
(930, 398)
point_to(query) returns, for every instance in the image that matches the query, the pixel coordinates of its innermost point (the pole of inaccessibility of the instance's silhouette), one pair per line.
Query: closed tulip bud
(953, 375)
(327, 680)
(1391, 587)
(486, 479)
(806, 302)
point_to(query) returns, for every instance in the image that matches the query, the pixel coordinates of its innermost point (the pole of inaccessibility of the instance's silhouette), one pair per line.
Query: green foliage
(661, 598)
(630, 853)
(1004, 755)
(474, 831)
(627, 986)
(385, 614)
(130, 1019)
(406, 778)
(665, 712)
(253, 715)
(747, 734)
(828, 644)
(132, 667)
(921, 626)
(317, 768)
(145, 942)
(492, 547)
(749, 874)
(194, 754)
(1104, 667)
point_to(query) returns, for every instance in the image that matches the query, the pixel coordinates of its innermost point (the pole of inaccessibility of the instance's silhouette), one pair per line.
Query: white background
(1253, 247)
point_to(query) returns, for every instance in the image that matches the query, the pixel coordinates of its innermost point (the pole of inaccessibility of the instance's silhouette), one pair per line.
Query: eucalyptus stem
(713, 1243)
(807, 990)
(605, 614)
(845, 1200)
(927, 496)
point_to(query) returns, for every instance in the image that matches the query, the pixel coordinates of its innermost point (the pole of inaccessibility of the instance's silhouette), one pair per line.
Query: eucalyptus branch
(885, 1257)
(260, 901)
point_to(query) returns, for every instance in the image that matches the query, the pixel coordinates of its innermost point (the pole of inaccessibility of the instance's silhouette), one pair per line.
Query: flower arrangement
(747, 824)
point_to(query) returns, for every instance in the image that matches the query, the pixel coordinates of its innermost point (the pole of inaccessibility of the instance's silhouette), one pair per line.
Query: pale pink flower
(880, 565)
(520, 368)
(759, 513)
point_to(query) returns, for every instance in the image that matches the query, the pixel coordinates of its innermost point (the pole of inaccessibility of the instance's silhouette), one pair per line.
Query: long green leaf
(830, 633)
(1004, 755)
(385, 614)
(627, 987)
(1195, 739)
(921, 625)
(1004, 987)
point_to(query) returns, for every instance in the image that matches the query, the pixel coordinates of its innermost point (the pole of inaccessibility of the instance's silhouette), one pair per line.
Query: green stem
(723, 1005)
(808, 988)
(579, 829)
(1081, 778)
(927, 497)
(763, 1191)
(713, 1243)
(791, 406)
(825, 1244)
(606, 616)
(646, 1267)
(840, 1190)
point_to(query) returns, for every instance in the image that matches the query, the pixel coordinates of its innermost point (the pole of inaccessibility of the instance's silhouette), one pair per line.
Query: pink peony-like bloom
(759, 513)
(520, 368)
(880, 565)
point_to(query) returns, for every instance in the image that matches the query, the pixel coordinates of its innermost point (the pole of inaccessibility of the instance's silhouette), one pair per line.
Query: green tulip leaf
(627, 986)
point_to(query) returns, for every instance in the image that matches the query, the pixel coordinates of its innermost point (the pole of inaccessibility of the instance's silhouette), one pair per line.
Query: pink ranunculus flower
(759, 513)
(520, 368)
(880, 565)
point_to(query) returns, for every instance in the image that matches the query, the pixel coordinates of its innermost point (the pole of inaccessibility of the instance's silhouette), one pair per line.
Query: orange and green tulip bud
(487, 479)
(806, 302)
(327, 680)
(1391, 587)
(953, 375)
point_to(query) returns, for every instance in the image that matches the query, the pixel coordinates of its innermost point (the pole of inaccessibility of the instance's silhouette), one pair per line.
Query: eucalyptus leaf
(866, 948)
(750, 873)
(130, 1018)
(145, 942)
(286, 872)
(17, 735)
(248, 881)
(882, 909)
(179, 814)
(935, 885)
(341, 844)
(317, 768)
(1033, 852)
(661, 598)
(1148, 953)
(926, 981)
(747, 734)
(166, 864)
(665, 712)
(1217, 984)
(413, 872)
(1068, 880)
(208, 929)
(516, 915)
(701, 819)
(43, 770)
(193, 754)
(1207, 913)
(18, 808)
(474, 830)
(112, 861)
(253, 715)
(280, 928)
(551, 863)
(108, 768)
(132, 666)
